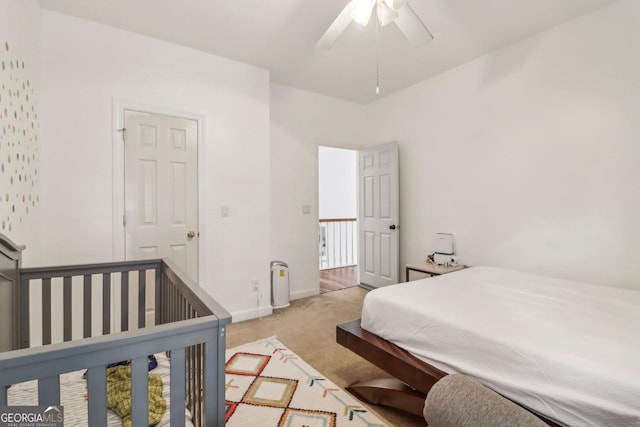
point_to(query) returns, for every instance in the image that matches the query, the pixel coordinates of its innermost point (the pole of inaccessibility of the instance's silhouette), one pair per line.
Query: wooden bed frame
(189, 325)
(413, 377)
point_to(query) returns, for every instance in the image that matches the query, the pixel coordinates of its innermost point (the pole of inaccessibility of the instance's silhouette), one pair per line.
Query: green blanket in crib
(119, 395)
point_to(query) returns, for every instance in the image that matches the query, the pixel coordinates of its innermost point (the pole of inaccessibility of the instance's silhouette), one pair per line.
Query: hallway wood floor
(338, 278)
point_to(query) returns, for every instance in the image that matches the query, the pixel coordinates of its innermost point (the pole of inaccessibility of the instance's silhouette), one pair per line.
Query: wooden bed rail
(413, 377)
(406, 369)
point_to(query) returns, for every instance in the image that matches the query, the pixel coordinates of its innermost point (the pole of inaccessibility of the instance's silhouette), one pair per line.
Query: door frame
(119, 106)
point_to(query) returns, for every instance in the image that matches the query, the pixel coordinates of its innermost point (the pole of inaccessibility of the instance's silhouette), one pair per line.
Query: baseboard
(251, 314)
(267, 310)
(305, 293)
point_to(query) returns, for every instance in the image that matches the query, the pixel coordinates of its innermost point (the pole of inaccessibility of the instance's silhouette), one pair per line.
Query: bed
(60, 322)
(567, 351)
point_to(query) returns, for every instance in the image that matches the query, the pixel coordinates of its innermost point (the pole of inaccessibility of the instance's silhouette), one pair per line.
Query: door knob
(392, 227)
(191, 234)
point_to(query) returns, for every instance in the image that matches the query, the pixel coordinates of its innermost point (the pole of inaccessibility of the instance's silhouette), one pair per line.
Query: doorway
(338, 225)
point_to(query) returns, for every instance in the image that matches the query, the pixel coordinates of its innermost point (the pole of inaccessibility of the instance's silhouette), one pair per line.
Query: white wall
(19, 125)
(302, 121)
(529, 155)
(337, 181)
(85, 66)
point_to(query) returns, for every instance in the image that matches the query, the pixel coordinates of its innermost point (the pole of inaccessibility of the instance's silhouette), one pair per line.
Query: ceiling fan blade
(337, 27)
(412, 27)
(386, 15)
(395, 4)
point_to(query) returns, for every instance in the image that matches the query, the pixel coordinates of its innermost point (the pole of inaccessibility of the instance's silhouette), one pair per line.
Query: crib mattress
(73, 389)
(564, 349)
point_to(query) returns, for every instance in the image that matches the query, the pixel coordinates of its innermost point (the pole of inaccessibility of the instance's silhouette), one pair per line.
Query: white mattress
(73, 389)
(566, 350)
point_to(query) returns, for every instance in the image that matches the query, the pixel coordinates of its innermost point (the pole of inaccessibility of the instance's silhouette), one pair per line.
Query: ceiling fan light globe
(386, 14)
(395, 4)
(361, 11)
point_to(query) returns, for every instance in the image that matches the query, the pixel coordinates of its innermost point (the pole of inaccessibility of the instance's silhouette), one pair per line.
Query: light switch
(225, 210)
(306, 209)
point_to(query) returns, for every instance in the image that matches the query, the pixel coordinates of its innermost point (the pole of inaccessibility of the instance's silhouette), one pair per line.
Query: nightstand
(430, 269)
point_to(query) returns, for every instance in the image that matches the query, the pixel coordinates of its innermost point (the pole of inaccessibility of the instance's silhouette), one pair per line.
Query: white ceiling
(280, 35)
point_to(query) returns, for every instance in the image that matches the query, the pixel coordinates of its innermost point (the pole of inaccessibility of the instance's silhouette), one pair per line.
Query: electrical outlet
(255, 285)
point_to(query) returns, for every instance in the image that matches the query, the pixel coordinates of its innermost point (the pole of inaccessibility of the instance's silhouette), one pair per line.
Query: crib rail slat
(46, 311)
(97, 391)
(124, 301)
(198, 386)
(106, 303)
(188, 376)
(177, 380)
(158, 294)
(86, 309)
(139, 392)
(142, 295)
(194, 373)
(66, 295)
(211, 404)
(25, 303)
(49, 391)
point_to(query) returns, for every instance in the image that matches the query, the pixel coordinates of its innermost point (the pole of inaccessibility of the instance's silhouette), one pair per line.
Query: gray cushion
(458, 401)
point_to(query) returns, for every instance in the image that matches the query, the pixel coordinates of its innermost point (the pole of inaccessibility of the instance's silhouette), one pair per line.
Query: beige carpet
(307, 327)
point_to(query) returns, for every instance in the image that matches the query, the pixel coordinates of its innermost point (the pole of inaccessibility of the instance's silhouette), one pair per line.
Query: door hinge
(124, 132)
(124, 220)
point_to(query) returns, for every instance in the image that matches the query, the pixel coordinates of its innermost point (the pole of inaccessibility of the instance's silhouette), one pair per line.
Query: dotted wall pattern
(19, 146)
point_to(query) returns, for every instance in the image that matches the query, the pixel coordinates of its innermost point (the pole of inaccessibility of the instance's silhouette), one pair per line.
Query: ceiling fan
(398, 12)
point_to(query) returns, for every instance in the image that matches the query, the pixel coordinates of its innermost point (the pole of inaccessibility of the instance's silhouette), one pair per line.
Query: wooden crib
(187, 324)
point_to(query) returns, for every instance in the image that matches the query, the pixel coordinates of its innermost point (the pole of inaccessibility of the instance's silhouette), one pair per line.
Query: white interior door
(161, 188)
(378, 215)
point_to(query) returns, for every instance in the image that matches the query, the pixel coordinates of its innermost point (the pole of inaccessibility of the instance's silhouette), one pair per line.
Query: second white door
(161, 189)
(378, 215)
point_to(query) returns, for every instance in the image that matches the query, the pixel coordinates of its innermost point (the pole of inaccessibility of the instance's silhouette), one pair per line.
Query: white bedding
(73, 389)
(564, 349)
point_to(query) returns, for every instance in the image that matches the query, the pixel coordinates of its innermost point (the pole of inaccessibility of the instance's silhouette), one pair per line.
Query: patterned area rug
(269, 385)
